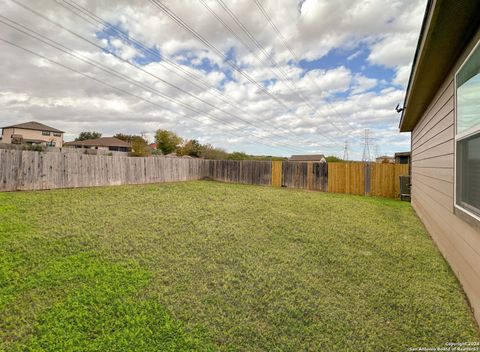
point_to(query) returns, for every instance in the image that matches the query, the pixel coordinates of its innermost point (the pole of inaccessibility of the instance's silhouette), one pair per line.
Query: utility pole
(366, 147)
(345, 151)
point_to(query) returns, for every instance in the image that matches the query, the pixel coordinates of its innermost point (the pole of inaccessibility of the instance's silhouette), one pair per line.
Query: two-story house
(32, 133)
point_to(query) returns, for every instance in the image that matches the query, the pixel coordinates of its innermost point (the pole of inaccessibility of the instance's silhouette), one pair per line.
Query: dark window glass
(468, 174)
(46, 133)
(468, 93)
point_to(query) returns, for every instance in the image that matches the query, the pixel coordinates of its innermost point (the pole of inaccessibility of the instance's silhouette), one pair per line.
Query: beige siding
(433, 158)
(30, 134)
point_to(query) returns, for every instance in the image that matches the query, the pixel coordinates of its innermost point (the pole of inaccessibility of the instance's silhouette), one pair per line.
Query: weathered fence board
(29, 170)
(308, 175)
(245, 171)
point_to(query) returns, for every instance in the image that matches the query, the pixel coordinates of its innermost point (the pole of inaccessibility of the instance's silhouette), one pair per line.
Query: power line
(218, 52)
(112, 86)
(270, 21)
(117, 74)
(288, 133)
(291, 84)
(295, 56)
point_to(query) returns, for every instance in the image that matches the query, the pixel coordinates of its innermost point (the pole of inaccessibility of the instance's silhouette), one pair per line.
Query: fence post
(366, 174)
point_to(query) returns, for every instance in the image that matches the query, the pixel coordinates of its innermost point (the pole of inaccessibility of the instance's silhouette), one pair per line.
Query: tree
(88, 135)
(192, 148)
(139, 147)
(239, 156)
(138, 143)
(210, 152)
(333, 159)
(167, 141)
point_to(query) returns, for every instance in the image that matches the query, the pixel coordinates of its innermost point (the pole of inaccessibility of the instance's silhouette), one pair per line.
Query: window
(57, 134)
(467, 136)
(46, 133)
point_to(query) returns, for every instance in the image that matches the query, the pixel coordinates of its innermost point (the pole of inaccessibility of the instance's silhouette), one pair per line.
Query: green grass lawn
(209, 266)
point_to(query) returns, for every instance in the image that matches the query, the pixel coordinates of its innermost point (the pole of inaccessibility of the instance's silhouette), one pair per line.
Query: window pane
(468, 93)
(468, 174)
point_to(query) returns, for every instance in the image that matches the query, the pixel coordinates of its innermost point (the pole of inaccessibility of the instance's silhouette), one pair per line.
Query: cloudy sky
(274, 77)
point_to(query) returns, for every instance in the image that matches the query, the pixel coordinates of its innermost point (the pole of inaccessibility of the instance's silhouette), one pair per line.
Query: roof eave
(447, 28)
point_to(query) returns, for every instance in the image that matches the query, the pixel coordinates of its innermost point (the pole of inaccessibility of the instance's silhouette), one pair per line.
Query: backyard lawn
(220, 267)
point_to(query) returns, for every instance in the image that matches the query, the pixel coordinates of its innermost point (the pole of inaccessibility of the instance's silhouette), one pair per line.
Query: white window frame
(475, 130)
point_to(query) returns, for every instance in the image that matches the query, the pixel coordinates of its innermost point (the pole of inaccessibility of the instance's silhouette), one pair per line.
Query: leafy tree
(192, 148)
(333, 159)
(138, 143)
(126, 137)
(210, 152)
(88, 135)
(239, 156)
(139, 147)
(167, 141)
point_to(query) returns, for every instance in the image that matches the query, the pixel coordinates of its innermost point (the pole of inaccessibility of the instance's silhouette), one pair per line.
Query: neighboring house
(319, 158)
(442, 110)
(32, 133)
(402, 158)
(103, 143)
(385, 159)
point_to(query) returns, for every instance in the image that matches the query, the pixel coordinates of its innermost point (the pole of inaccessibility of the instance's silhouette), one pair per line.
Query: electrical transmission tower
(366, 147)
(345, 151)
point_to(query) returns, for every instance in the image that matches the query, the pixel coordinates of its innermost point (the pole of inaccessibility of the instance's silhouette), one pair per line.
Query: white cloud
(319, 101)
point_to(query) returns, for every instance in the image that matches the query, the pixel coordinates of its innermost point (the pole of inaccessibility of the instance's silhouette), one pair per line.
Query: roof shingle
(33, 125)
(100, 142)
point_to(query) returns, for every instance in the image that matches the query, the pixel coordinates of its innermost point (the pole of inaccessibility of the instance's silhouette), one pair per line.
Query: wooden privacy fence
(385, 179)
(307, 175)
(346, 178)
(240, 171)
(373, 179)
(30, 170)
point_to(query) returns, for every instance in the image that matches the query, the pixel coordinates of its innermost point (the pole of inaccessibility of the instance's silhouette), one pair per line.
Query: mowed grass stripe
(221, 266)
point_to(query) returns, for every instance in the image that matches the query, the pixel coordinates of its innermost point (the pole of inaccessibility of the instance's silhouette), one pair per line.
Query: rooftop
(33, 125)
(100, 142)
(310, 157)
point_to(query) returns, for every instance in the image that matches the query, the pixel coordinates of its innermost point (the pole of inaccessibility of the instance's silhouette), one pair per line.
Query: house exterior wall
(30, 134)
(433, 157)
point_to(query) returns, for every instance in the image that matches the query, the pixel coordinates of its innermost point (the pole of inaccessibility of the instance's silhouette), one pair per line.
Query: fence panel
(294, 174)
(385, 179)
(245, 171)
(346, 178)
